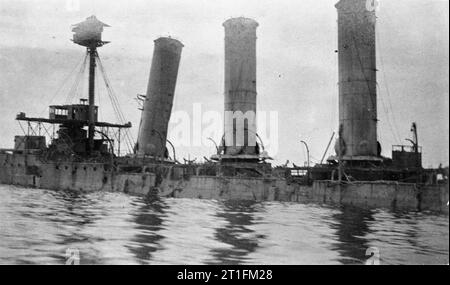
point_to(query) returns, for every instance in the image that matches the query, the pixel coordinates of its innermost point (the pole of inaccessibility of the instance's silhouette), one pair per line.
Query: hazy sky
(296, 73)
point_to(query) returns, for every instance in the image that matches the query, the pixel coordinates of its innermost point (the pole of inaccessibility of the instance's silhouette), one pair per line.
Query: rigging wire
(97, 91)
(395, 134)
(22, 128)
(387, 87)
(74, 86)
(72, 93)
(116, 105)
(81, 86)
(63, 83)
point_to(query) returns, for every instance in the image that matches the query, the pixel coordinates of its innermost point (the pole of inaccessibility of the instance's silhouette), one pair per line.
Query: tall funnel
(357, 80)
(159, 98)
(240, 87)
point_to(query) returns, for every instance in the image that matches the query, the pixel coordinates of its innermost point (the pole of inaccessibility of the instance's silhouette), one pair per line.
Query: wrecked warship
(84, 154)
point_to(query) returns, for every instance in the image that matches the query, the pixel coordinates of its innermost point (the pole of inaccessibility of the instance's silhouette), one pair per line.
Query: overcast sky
(296, 73)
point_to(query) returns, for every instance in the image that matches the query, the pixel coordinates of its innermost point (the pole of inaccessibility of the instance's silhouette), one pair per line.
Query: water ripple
(38, 226)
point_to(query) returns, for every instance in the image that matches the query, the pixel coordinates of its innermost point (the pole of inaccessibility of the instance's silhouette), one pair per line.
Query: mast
(89, 35)
(91, 127)
(78, 122)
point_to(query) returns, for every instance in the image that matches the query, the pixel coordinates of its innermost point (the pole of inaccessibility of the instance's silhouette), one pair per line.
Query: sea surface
(58, 227)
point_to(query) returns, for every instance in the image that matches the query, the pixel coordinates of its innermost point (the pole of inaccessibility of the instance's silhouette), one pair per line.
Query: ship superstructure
(79, 132)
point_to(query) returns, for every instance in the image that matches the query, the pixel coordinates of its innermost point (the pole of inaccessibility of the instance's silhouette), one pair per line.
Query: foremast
(78, 124)
(89, 35)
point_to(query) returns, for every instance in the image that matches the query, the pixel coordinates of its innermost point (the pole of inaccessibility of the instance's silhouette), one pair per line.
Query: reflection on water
(352, 227)
(38, 226)
(149, 221)
(237, 232)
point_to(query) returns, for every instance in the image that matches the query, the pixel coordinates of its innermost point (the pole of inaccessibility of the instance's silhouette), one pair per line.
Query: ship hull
(30, 171)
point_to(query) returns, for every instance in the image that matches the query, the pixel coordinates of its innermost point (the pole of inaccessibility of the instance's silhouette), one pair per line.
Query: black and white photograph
(230, 134)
